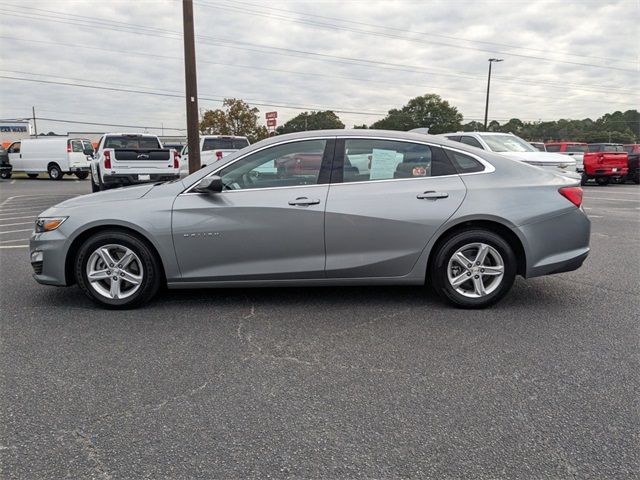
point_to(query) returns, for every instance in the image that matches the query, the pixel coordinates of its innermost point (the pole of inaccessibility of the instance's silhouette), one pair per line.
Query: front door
(392, 197)
(15, 157)
(267, 223)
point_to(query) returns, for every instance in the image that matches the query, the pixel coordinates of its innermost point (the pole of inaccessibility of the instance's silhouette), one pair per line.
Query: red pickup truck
(600, 161)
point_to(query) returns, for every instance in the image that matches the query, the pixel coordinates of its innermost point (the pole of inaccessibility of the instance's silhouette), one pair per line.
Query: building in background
(12, 130)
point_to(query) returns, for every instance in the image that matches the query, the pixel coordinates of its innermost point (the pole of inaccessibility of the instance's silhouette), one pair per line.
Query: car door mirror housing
(212, 184)
(88, 152)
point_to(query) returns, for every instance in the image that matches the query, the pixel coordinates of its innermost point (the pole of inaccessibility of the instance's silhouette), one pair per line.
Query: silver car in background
(335, 207)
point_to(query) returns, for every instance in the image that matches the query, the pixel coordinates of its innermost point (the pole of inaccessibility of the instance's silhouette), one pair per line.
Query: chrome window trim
(489, 168)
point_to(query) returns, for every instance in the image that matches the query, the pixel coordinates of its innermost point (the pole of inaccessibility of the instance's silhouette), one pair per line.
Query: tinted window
(465, 163)
(553, 148)
(576, 148)
(612, 148)
(224, 144)
(594, 148)
(286, 165)
(133, 142)
(455, 138)
(628, 149)
(87, 145)
(76, 146)
(14, 148)
(368, 159)
(471, 141)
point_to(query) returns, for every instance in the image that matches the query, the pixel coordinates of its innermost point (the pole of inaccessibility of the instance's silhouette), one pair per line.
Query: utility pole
(35, 127)
(486, 106)
(191, 86)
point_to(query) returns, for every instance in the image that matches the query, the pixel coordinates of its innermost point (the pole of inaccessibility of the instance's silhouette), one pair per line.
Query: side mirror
(211, 184)
(88, 152)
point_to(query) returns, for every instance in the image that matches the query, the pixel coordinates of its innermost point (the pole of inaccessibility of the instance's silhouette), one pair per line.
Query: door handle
(431, 195)
(304, 201)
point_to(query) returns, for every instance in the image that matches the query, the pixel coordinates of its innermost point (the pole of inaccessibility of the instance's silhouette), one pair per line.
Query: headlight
(47, 224)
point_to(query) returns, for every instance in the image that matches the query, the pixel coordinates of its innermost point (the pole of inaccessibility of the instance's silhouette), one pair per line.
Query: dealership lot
(327, 382)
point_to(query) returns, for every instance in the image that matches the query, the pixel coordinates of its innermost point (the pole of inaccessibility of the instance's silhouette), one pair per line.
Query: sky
(360, 58)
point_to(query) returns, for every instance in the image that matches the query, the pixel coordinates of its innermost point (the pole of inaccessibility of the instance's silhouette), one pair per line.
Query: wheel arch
(493, 225)
(89, 232)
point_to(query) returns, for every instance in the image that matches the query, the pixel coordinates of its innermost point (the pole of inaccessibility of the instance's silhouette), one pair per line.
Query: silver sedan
(333, 207)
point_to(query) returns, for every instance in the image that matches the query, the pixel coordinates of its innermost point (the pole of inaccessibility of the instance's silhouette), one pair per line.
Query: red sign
(271, 115)
(272, 122)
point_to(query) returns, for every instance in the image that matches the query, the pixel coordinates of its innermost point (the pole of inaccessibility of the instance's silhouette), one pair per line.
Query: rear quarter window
(553, 148)
(465, 163)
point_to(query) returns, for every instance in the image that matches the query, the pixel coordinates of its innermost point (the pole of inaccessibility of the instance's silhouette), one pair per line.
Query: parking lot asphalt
(324, 382)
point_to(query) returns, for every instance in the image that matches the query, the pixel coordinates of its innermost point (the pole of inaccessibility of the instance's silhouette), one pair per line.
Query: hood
(117, 194)
(547, 158)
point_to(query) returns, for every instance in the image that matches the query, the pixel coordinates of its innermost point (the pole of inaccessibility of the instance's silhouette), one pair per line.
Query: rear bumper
(78, 169)
(132, 179)
(607, 172)
(556, 245)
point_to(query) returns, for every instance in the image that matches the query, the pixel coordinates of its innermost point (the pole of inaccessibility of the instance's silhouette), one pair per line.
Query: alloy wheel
(114, 271)
(475, 270)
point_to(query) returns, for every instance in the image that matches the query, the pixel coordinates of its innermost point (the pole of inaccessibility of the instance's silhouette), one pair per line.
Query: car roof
(480, 134)
(222, 136)
(130, 135)
(565, 143)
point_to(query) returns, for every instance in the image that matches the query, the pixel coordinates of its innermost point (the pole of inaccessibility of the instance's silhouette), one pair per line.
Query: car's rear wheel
(32, 175)
(473, 268)
(5, 175)
(603, 180)
(584, 179)
(82, 175)
(117, 270)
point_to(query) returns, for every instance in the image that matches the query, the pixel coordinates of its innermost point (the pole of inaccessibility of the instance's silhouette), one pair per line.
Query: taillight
(107, 159)
(218, 155)
(69, 150)
(573, 194)
(176, 159)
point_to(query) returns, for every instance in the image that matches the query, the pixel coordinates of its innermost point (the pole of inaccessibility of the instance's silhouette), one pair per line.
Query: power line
(58, 120)
(403, 30)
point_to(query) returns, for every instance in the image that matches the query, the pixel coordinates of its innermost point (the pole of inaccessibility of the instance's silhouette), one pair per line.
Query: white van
(56, 156)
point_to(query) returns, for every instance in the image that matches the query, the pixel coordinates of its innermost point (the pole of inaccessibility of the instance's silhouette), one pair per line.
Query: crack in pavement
(92, 452)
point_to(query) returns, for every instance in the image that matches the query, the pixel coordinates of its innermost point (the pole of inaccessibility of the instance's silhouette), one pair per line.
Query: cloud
(369, 57)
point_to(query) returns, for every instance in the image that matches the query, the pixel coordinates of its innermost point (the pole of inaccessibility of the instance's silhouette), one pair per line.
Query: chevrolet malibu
(333, 207)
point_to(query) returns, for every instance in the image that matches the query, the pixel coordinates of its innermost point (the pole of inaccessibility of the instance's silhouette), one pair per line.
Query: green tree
(473, 126)
(428, 110)
(235, 118)
(312, 121)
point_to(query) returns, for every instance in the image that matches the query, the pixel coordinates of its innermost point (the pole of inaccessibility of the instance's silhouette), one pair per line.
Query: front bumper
(558, 244)
(49, 265)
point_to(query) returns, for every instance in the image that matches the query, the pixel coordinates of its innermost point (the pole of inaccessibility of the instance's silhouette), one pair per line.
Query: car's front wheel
(602, 181)
(473, 268)
(5, 174)
(117, 270)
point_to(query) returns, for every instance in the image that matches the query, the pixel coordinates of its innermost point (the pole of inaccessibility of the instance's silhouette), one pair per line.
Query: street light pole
(486, 105)
(191, 86)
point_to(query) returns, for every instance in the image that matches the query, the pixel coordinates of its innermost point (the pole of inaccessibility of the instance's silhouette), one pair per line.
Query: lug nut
(119, 266)
(122, 274)
(111, 265)
(482, 270)
(468, 274)
(115, 278)
(108, 272)
(477, 276)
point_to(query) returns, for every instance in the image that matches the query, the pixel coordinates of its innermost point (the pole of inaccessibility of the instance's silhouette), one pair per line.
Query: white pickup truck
(130, 158)
(213, 148)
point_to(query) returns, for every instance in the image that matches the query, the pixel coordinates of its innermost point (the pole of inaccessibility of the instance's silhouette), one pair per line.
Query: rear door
(137, 152)
(76, 155)
(267, 224)
(380, 218)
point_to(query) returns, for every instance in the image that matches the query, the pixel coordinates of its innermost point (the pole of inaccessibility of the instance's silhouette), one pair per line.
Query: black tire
(94, 187)
(5, 175)
(82, 175)
(151, 269)
(584, 179)
(443, 254)
(32, 175)
(55, 173)
(602, 181)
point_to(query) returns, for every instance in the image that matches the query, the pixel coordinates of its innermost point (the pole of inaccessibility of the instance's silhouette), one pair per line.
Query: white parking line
(14, 246)
(12, 182)
(13, 224)
(17, 218)
(613, 199)
(15, 231)
(14, 240)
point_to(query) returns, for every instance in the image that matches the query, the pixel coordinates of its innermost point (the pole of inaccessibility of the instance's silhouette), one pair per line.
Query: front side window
(86, 144)
(554, 148)
(14, 148)
(471, 141)
(507, 143)
(291, 164)
(369, 159)
(575, 148)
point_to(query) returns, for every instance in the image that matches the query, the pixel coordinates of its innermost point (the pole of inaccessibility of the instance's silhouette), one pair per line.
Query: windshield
(507, 143)
(132, 142)
(224, 144)
(628, 149)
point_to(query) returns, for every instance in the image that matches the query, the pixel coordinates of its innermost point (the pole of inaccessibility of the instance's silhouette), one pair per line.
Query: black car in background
(5, 166)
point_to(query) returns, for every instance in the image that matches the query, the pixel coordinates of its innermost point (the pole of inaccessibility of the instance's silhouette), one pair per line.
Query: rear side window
(576, 148)
(86, 144)
(76, 146)
(224, 144)
(594, 148)
(369, 159)
(465, 163)
(133, 142)
(553, 148)
(470, 141)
